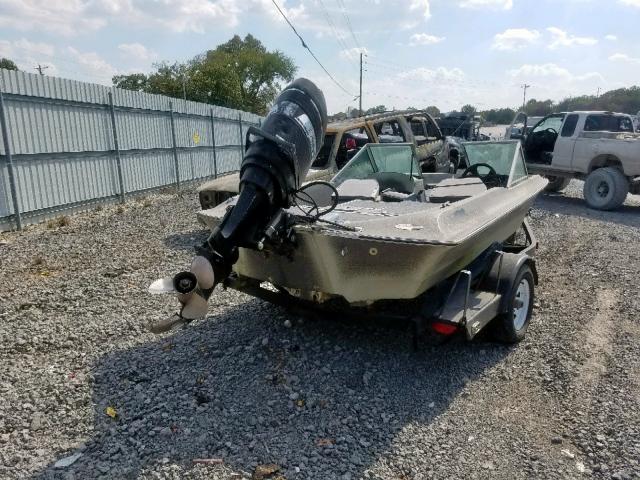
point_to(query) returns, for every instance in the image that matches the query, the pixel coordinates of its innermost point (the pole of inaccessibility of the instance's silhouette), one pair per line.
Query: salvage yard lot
(81, 377)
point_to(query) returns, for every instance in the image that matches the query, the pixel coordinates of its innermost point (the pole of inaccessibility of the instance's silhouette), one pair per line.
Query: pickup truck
(343, 139)
(600, 148)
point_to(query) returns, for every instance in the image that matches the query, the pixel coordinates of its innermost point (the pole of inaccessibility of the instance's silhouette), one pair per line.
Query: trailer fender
(503, 272)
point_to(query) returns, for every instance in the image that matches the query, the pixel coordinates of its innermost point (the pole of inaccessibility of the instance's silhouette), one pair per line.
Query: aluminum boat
(395, 232)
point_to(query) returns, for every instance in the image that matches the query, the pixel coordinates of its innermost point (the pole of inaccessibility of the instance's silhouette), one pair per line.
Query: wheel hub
(602, 189)
(521, 304)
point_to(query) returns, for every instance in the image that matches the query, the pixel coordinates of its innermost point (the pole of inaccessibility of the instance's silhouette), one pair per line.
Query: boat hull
(329, 263)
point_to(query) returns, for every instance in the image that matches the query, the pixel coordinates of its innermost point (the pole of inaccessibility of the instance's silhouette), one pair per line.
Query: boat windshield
(504, 157)
(375, 158)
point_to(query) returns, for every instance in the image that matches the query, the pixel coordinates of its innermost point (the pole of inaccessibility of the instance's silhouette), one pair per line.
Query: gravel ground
(83, 383)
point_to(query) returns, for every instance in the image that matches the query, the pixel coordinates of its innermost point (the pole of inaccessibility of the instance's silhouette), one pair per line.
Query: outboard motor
(277, 159)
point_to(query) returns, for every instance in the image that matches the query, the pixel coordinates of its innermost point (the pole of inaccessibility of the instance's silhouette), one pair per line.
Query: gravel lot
(253, 386)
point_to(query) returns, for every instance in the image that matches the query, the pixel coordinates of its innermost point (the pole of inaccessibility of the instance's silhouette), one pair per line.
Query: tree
(500, 116)
(8, 64)
(374, 110)
(539, 109)
(468, 109)
(240, 73)
(136, 81)
(433, 111)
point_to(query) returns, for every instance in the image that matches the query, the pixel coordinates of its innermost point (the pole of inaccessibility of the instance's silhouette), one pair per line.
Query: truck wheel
(556, 184)
(511, 327)
(605, 188)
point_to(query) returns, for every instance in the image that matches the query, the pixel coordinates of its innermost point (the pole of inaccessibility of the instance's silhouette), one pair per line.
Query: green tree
(135, 81)
(240, 73)
(8, 64)
(539, 109)
(500, 116)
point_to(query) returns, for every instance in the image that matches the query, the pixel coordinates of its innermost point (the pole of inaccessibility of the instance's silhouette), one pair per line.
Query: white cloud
(550, 70)
(482, 4)
(442, 74)
(560, 38)
(631, 3)
(28, 54)
(93, 65)
(424, 39)
(353, 53)
(137, 51)
(611, 38)
(549, 80)
(63, 17)
(623, 57)
(514, 39)
(23, 47)
(421, 6)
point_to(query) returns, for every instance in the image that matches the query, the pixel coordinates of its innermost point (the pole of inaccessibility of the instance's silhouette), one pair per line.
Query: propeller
(193, 289)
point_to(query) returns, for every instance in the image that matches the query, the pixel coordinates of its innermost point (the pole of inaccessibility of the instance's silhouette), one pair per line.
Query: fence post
(7, 153)
(241, 139)
(116, 146)
(213, 144)
(175, 146)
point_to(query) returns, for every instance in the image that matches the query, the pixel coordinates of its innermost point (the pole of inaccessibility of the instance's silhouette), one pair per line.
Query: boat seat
(455, 189)
(433, 179)
(355, 189)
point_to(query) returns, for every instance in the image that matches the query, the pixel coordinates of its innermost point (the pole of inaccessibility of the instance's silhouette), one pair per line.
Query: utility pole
(360, 83)
(41, 68)
(524, 96)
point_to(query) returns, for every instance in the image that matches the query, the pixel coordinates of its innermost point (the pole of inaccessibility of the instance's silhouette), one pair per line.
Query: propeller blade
(203, 271)
(162, 285)
(195, 307)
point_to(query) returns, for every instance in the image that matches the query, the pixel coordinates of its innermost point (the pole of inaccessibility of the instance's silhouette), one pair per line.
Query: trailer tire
(556, 184)
(605, 188)
(511, 326)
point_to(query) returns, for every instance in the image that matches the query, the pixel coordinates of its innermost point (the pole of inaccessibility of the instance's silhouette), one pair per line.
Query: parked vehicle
(462, 125)
(516, 131)
(343, 139)
(600, 148)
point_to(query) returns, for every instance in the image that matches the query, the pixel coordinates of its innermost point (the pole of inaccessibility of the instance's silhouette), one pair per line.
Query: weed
(59, 222)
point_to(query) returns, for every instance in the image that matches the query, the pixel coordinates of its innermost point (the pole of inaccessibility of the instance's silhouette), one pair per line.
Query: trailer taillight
(444, 328)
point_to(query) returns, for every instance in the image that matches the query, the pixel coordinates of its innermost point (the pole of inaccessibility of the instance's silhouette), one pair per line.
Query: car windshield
(553, 122)
(374, 158)
(503, 157)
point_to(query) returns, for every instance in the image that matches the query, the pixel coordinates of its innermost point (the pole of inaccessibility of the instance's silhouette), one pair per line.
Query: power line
(312, 54)
(348, 21)
(339, 39)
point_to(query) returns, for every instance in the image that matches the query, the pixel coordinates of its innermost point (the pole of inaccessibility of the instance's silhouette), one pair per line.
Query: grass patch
(59, 222)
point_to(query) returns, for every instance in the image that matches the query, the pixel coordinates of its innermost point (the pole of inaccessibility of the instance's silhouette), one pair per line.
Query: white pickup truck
(600, 148)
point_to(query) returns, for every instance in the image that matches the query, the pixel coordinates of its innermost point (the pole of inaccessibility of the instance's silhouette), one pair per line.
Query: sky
(417, 53)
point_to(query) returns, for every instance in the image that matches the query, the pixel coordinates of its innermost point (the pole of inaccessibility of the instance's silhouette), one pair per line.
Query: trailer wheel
(556, 184)
(605, 188)
(511, 326)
